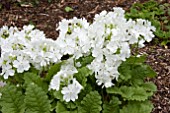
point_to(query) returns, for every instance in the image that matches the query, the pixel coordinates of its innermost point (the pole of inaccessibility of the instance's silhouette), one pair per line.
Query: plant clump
(90, 65)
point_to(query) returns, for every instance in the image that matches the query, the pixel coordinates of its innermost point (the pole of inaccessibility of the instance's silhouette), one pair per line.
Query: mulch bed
(46, 16)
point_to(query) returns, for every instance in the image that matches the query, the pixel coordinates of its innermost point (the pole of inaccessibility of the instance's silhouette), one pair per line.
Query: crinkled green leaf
(134, 69)
(83, 93)
(144, 70)
(149, 86)
(136, 81)
(132, 93)
(129, 67)
(112, 106)
(61, 108)
(123, 91)
(70, 105)
(12, 100)
(36, 100)
(137, 107)
(91, 103)
(36, 79)
(125, 72)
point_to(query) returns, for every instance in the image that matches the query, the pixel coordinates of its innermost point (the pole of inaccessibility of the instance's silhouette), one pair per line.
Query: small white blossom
(7, 71)
(65, 75)
(2, 83)
(70, 93)
(21, 63)
(55, 82)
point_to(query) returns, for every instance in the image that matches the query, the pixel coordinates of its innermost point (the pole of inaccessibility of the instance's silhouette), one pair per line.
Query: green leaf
(70, 105)
(149, 86)
(61, 108)
(134, 59)
(91, 103)
(33, 78)
(112, 106)
(125, 72)
(82, 75)
(83, 93)
(36, 100)
(53, 70)
(123, 91)
(84, 71)
(58, 95)
(85, 60)
(133, 93)
(136, 81)
(68, 9)
(137, 107)
(134, 69)
(129, 68)
(12, 100)
(142, 71)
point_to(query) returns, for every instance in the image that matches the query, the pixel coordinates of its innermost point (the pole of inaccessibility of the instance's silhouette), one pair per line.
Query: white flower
(112, 46)
(78, 64)
(73, 37)
(70, 93)
(6, 45)
(98, 54)
(105, 80)
(5, 64)
(21, 63)
(41, 59)
(36, 35)
(68, 67)
(7, 71)
(28, 28)
(2, 83)
(119, 11)
(124, 51)
(65, 75)
(63, 27)
(55, 82)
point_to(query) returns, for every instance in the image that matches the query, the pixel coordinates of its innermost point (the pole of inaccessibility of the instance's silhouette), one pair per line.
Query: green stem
(70, 107)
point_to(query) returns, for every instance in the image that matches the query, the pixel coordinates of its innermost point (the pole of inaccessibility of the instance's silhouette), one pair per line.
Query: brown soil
(46, 16)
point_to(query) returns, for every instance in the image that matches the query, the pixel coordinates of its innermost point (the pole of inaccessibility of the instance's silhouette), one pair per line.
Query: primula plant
(88, 69)
(158, 14)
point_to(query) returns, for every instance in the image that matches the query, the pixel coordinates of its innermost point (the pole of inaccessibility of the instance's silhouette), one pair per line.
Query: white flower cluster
(21, 49)
(74, 37)
(107, 39)
(65, 77)
(112, 35)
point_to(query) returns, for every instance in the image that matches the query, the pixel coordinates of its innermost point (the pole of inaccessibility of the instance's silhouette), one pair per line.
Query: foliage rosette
(88, 69)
